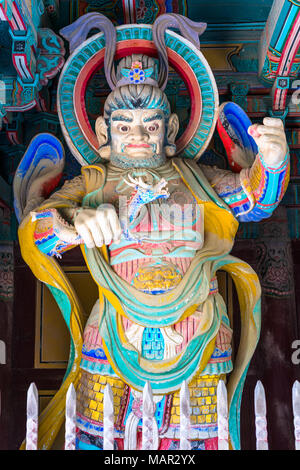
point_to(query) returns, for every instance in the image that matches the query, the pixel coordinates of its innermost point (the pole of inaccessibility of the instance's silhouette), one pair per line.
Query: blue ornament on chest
(144, 194)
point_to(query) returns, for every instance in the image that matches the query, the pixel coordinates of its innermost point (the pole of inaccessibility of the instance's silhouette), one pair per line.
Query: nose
(139, 132)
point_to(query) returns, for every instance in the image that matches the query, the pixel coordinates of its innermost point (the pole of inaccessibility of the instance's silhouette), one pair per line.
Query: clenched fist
(271, 140)
(99, 226)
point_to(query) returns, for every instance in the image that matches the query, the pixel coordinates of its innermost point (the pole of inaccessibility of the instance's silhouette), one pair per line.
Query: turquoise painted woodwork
(281, 21)
(235, 11)
(36, 55)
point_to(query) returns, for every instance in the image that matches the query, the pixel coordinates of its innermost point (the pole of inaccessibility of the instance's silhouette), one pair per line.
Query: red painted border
(20, 17)
(129, 47)
(280, 96)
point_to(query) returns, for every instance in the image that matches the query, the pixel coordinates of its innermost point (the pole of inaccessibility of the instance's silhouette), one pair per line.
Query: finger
(273, 122)
(115, 226)
(96, 232)
(106, 230)
(272, 143)
(271, 130)
(252, 130)
(271, 138)
(86, 235)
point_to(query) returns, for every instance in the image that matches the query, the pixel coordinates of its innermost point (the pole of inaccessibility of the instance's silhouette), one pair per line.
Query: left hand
(271, 140)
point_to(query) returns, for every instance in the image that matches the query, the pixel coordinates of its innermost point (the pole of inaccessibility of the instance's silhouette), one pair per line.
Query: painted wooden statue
(154, 226)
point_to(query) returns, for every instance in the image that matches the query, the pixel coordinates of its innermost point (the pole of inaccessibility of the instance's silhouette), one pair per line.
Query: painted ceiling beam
(279, 57)
(37, 55)
(281, 24)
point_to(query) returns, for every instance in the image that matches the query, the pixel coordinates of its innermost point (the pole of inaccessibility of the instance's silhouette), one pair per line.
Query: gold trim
(219, 55)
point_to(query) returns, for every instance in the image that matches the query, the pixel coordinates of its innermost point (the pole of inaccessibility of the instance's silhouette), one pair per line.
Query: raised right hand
(99, 226)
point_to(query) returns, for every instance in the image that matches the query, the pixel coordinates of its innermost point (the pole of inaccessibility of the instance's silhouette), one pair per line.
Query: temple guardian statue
(154, 226)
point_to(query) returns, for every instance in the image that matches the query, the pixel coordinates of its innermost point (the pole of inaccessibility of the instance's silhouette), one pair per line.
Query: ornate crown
(136, 75)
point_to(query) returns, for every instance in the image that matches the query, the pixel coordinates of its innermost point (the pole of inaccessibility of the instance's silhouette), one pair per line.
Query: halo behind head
(183, 56)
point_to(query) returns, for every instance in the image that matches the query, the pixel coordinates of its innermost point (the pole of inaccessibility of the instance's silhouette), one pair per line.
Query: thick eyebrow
(121, 117)
(155, 117)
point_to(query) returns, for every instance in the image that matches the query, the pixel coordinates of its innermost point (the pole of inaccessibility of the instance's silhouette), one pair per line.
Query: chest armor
(162, 237)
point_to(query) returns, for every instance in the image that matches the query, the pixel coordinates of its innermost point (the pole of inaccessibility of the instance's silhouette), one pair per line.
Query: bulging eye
(124, 128)
(152, 127)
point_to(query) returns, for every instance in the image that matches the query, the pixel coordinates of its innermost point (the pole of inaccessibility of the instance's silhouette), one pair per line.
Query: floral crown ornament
(136, 75)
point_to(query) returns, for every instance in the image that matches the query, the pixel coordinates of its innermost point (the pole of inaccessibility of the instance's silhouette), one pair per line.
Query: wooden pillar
(271, 256)
(6, 328)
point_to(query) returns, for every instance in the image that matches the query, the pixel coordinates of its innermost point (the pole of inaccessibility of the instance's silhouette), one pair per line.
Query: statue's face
(138, 137)
(138, 134)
